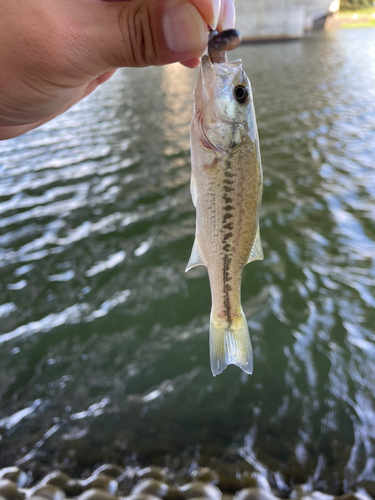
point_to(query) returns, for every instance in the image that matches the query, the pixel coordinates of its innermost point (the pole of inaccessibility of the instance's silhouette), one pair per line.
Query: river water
(104, 339)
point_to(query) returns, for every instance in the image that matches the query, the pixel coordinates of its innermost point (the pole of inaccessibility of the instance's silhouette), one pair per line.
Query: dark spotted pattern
(227, 240)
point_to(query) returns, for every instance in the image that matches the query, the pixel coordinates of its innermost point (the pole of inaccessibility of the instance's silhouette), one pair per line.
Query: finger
(227, 15)
(108, 74)
(93, 85)
(210, 10)
(154, 32)
(192, 63)
(12, 131)
(216, 13)
(7, 133)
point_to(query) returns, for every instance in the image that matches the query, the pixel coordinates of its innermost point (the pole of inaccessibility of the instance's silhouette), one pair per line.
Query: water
(104, 339)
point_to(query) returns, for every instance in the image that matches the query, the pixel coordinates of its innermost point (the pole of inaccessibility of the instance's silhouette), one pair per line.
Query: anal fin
(195, 257)
(257, 251)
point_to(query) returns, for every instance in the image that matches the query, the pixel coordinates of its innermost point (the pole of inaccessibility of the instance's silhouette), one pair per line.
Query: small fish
(226, 189)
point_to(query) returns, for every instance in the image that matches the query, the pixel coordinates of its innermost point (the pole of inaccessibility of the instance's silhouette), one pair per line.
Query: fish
(226, 189)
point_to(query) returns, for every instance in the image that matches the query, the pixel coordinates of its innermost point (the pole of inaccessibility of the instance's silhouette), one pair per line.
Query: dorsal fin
(256, 252)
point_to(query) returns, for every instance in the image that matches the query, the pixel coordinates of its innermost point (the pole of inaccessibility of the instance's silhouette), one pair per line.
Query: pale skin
(53, 54)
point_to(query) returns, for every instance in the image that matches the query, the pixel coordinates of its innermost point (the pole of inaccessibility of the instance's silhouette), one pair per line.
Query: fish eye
(241, 94)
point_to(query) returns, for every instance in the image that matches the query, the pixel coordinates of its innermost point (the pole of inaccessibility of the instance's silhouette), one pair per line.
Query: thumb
(141, 33)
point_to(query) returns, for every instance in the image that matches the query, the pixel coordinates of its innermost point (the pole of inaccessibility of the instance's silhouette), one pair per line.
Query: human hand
(53, 54)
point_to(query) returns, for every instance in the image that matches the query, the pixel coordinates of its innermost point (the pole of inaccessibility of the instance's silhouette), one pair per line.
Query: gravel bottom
(111, 482)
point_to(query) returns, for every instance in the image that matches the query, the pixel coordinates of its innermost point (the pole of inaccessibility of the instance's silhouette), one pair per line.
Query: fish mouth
(224, 69)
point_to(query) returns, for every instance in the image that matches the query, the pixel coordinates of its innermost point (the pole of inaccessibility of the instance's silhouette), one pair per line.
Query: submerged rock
(255, 480)
(14, 474)
(71, 487)
(174, 494)
(206, 475)
(366, 488)
(141, 496)
(198, 489)
(109, 470)
(200, 498)
(9, 490)
(254, 494)
(301, 490)
(318, 495)
(358, 495)
(101, 482)
(37, 498)
(56, 478)
(152, 487)
(152, 472)
(96, 494)
(48, 492)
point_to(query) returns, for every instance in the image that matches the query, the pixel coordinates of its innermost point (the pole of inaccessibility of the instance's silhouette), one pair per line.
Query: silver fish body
(226, 188)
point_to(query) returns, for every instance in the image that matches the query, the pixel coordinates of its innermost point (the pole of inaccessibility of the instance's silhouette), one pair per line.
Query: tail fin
(230, 344)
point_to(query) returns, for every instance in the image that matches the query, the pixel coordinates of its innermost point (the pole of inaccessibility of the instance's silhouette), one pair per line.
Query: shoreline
(351, 19)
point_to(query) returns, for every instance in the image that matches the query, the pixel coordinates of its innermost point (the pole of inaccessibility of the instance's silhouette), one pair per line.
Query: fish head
(223, 106)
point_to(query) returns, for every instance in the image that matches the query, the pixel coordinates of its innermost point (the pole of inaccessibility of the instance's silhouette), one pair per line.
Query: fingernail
(216, 4)
(229, 15)
(184, 29)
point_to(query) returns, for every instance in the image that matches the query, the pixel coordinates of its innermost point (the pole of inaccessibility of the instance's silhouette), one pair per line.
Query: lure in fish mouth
(220, 43)
(226, 188)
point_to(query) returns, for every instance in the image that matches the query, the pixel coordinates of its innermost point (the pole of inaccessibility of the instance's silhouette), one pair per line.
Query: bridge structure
(267, 20)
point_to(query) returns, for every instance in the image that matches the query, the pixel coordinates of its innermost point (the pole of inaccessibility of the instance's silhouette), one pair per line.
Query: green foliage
(355, 4)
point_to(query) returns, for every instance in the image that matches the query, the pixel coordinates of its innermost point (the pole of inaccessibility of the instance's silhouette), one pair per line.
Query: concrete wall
(316, 9)
(269, 19)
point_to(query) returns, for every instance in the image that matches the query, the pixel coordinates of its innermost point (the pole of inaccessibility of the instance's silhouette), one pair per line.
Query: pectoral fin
(256, 252)
(195, 258)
